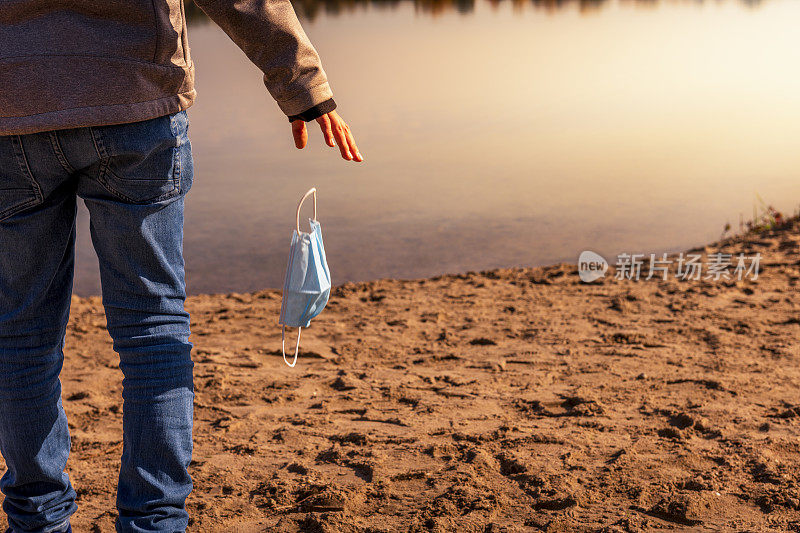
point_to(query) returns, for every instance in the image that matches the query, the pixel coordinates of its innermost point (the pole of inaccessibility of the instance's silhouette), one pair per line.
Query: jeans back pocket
(142, 162)
(18, 189)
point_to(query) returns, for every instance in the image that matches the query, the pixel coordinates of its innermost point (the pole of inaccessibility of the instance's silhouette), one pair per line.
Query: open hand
(336, 132)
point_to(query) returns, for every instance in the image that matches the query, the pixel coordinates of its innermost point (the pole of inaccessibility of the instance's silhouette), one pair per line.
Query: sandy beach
(507, 400)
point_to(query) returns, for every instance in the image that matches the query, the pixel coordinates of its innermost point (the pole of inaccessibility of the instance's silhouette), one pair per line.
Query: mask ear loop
(311, 191)
(296, 346)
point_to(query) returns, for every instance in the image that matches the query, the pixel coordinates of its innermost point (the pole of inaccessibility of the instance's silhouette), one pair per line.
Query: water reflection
(507, 137)
(311, 9)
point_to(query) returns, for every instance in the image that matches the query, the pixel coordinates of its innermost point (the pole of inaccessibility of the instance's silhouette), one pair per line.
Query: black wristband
(315, 112)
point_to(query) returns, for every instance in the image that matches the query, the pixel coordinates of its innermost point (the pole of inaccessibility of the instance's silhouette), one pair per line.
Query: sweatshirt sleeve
(270, 34)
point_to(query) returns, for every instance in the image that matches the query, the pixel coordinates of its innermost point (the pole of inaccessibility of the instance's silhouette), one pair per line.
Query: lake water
(495, 134)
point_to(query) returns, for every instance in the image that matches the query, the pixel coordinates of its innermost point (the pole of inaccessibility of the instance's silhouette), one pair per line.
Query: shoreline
(512, 398)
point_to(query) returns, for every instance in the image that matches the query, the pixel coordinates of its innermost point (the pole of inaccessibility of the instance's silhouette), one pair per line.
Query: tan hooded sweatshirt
(73, 63)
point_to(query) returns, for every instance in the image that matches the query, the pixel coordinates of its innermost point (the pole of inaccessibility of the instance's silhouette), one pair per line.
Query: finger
(341, 139)
(351, 142)
(327, 132)
(300, 133)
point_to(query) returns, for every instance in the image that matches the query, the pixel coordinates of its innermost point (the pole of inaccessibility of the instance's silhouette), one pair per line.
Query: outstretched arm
(271, 36)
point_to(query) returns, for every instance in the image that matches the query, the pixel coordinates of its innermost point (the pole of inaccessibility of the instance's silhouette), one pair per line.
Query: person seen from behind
(93, 99)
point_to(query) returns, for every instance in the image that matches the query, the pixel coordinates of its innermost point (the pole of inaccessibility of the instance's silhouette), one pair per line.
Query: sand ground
(509, 400)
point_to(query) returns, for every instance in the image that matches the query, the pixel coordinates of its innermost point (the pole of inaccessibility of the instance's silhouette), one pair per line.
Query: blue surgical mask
(308, 281)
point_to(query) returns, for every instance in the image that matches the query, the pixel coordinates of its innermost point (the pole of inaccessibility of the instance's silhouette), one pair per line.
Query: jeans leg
(140, 247)
(37, 240)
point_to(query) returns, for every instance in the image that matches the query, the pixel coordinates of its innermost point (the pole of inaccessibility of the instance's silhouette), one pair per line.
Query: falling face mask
(308, 281)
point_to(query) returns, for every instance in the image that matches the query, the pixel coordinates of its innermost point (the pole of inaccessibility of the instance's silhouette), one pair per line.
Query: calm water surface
(496, 135)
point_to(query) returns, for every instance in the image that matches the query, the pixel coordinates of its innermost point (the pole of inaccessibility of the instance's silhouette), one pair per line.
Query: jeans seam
(21, 206)
(62, 159)
(176, 175)
(98, 143)
(24, 167)
(178, 178)
(105, 168)
(22, 160)
(99, 147)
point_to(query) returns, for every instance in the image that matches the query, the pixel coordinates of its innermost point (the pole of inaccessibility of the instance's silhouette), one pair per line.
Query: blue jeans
(132, 178)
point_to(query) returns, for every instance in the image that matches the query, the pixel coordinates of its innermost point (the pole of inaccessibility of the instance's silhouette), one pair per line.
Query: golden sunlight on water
(505, 136)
